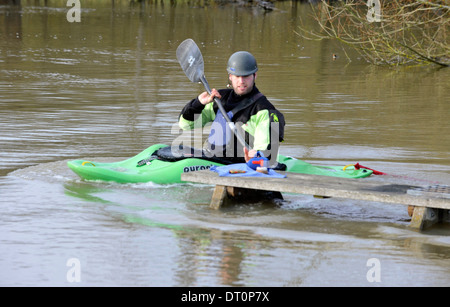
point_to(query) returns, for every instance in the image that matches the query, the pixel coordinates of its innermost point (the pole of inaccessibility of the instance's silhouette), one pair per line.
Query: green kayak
(154, 164)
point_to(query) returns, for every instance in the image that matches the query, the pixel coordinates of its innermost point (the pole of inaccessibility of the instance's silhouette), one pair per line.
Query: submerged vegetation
(393, 32)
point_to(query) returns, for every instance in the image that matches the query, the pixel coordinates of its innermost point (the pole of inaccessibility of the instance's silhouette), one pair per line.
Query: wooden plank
(360, 189)
(437, 190)
(429, 205)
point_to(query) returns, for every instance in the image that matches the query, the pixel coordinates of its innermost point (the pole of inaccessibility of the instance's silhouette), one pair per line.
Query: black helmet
(242, 63)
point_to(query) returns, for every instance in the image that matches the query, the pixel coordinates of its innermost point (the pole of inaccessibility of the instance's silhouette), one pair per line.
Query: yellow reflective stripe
(259, 127)
(207, 116)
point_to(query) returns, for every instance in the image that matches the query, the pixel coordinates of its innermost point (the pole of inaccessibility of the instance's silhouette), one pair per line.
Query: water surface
(110, 86)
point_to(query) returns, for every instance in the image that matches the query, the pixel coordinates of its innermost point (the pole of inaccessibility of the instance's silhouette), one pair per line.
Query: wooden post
(446, 216)
(220, 192)
(424, 217)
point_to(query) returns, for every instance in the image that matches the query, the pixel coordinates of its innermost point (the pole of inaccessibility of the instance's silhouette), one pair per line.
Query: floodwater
(109, 86)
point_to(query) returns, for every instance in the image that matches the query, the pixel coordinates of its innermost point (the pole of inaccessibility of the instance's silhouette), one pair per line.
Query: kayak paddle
(191, 60)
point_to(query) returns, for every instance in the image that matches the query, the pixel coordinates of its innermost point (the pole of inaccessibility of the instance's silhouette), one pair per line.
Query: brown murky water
(110, 86)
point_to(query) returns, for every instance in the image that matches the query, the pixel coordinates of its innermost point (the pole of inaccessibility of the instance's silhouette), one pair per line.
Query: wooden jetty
(431, 204)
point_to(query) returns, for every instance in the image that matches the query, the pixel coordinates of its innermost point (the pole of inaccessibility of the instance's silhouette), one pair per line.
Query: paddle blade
(191, 60)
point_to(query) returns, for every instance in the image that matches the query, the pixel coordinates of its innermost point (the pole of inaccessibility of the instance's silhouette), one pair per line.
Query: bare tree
(391, 32)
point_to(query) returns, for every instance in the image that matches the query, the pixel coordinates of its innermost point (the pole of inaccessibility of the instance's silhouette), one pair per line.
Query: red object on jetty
(358, 166)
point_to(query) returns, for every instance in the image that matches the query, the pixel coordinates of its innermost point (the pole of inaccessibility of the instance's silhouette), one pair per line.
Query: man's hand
(206, 98)
(249, 154)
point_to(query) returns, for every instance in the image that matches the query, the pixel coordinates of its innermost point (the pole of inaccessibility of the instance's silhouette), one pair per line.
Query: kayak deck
(144, 167)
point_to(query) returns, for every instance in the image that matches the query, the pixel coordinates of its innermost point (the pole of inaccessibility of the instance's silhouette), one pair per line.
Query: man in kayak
(260, 122)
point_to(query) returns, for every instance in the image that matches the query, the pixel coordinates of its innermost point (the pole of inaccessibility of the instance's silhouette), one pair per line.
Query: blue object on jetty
(243, 170)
